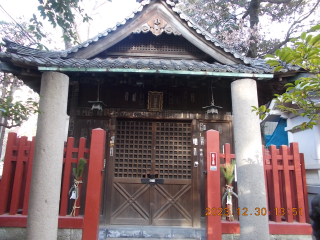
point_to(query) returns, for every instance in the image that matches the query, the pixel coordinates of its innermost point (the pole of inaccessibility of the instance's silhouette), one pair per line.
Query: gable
(148, 45)
(158, 18)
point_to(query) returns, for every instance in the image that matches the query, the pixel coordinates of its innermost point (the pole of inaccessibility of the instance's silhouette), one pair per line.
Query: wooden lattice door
(160, 148)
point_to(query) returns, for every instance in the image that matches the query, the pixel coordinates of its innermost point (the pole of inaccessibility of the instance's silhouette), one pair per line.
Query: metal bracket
(152, 180)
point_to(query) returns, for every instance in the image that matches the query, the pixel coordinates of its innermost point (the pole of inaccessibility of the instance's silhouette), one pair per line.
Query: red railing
(16, 179)
(286, 189)
(285, 182)
(16, 168)
(68, 159)
(284, 174)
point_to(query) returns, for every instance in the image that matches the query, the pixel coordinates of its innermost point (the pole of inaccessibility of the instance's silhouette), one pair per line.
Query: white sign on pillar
(213, 161)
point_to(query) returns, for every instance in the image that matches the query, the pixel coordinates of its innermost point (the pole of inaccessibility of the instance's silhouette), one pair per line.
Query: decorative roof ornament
(157, 26)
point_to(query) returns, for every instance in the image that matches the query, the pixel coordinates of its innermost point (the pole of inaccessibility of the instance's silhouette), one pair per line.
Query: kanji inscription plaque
(155, 101)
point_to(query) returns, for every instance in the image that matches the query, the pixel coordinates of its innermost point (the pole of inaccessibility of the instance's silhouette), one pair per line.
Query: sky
(104, 16)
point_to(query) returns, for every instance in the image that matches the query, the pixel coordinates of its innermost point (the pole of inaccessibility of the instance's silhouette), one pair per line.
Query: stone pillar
(250, 172)
(42, 222)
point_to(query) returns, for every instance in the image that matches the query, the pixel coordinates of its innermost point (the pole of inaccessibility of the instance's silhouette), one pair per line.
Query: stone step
(149, 232)
(149, 238)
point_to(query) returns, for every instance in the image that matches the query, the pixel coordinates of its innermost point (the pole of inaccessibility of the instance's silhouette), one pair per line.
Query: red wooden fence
(286, 184)
(17, 169)
(284, 174)
(16, 179)
(68, 159)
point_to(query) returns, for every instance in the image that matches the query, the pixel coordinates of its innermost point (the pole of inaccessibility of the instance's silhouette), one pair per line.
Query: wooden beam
(8, 67)
(160, 71)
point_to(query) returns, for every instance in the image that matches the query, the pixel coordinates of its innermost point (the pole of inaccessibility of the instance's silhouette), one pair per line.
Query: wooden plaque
(155, 101)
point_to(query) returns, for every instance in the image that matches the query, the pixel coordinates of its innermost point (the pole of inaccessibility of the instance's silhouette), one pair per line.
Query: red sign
(213, 161)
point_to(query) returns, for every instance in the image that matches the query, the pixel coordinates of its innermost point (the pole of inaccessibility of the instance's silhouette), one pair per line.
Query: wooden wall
(183, 100)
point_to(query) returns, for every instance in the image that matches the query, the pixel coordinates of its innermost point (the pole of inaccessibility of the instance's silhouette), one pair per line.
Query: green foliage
(228, 171)
(14, 112)
(59, 13)
(219, 16)
(18, 111)
(77, 173)
(23, 33)
(304, 93)
(262, 110)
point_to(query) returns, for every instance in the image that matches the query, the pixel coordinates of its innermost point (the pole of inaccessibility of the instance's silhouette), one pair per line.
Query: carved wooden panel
(130, 203)
(172, 204)
(150, 43)
(162, 148)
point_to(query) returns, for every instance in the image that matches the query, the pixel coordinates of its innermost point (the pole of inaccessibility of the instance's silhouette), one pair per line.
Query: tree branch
(288, 38)
(276, 1)
(246, 14)
(9, 126)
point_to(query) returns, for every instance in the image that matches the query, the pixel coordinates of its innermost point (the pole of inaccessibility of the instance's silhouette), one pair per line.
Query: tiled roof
(22, 50)
(30, 56)
(182, 15)
(138, 63)
(13, 47)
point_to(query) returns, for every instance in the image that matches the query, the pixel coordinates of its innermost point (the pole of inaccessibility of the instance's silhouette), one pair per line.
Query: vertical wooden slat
(66, 178)
(227, 152)
(276, 191)
(28, 181)
(269, 192)
(82, 145)
(287, 184)
(18, 174)
(6, 174)
(298, 178)
(25, 171)
(94, 186)
(304, 184)
(265, 176)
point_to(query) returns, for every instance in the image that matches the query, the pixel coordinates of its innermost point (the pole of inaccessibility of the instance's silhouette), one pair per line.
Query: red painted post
(213, 195)
(287, 183)
(305, 190)
(66, 177)
(227, 152)
(28, 181)
(6, 175)
(298, 181)
(266, 176)
(276, 190)
(94, 185)
(18, 173)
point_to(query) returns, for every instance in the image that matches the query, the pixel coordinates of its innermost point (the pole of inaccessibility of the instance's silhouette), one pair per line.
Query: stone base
(165, 233)
(272, 237)
(13, 233)
(138, 233)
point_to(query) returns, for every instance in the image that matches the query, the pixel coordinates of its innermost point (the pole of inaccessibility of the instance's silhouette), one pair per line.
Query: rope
(229, 190)
(75, 187)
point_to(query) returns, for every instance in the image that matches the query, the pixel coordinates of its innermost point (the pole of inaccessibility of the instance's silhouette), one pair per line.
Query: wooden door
(150, 147)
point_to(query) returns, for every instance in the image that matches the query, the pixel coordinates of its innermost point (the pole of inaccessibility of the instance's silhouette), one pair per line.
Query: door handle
(152, 180)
